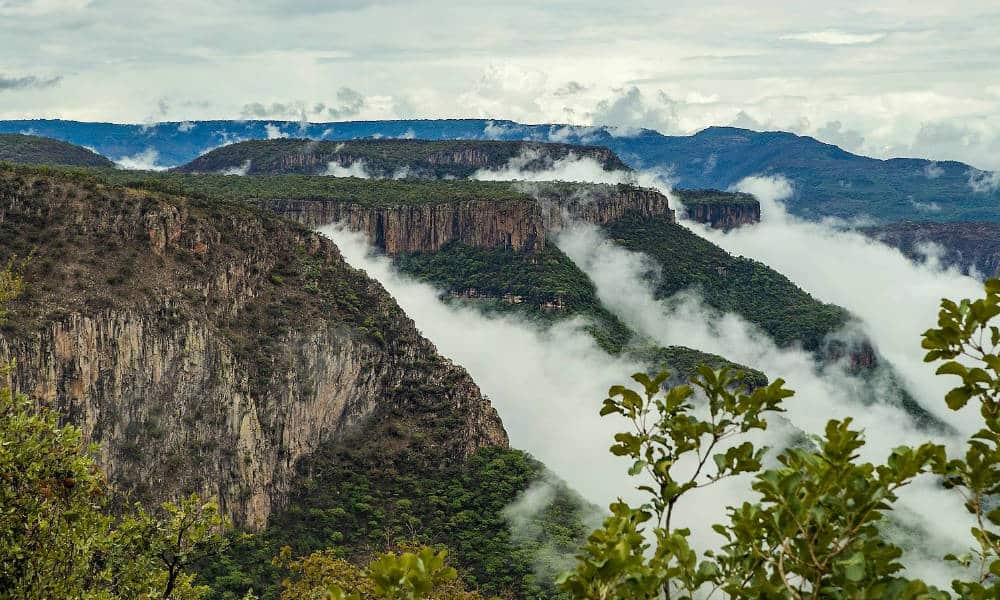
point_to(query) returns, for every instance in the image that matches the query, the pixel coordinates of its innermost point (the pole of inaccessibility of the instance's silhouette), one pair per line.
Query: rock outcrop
(209, 347)
(520, 225)
(721, 210)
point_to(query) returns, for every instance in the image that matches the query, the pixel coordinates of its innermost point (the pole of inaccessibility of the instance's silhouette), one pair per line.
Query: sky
(881, 77)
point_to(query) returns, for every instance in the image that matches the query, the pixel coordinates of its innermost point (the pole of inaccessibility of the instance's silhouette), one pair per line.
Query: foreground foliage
(817, 527)
(356, 505)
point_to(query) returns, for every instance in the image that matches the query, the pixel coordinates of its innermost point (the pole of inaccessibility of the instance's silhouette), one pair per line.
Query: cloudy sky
(882, 77)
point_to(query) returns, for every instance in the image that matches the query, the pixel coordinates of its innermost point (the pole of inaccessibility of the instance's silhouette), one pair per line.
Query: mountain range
(826, 180)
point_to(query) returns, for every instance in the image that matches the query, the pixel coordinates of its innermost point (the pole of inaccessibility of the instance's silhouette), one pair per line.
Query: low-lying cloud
(147, 160)
(984, 182)
(572, 167)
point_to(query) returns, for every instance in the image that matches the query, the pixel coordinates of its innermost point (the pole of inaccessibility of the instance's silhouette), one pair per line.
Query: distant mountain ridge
(390, 158)
(827, 181)
(34, 150)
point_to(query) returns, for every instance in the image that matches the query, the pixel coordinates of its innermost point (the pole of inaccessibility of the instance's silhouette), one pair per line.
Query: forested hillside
(33, 150)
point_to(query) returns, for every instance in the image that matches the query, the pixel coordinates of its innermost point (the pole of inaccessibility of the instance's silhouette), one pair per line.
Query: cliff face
(211, 348)
(721, 210)
(515, 225)
(519, 225)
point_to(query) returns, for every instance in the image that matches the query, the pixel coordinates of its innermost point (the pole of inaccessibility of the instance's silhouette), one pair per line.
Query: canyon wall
(238, 345)
(519, 225)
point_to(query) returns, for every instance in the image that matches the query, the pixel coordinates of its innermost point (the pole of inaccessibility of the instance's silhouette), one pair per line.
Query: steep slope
(967, 246)
(731, 284)
(828, 181)
(389, 158)
(210, 346)
(33, 150)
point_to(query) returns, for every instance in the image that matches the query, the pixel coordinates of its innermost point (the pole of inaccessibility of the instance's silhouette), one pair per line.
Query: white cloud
(933, 170)
(833, 37)
(240, 170)
(984, 182)
(572, 167)
(823, 392)
(357, 168)
(547, 384)
(561, 66)
(274, 132)
(143, 161)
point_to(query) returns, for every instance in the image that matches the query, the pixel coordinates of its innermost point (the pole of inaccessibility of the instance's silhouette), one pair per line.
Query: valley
(252, 361)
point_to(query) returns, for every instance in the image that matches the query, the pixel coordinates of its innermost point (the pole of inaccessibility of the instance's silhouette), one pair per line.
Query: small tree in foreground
(413, 573)
(816, 529)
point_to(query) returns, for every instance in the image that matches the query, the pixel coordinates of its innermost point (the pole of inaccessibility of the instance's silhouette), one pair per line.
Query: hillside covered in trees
(34, 150)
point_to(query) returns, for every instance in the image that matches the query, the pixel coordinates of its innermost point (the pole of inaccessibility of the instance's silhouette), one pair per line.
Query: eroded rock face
(718, 209)
(427, 227)
(238, 345)
(519, 225)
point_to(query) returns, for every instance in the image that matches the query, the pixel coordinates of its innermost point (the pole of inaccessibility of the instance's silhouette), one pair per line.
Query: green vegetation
(739, 285)
(388, 158)
(373, 192)
(684, 363)
(816, 528)
(542, 280)
(357, 502)
(33, 150)
(537, 279)
(412, 573)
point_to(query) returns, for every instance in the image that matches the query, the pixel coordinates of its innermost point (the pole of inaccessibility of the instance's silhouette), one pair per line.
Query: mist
(895, 298)
(147, 160)
(547, 384)
(571, 167)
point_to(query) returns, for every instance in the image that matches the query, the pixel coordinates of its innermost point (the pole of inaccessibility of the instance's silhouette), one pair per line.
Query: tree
(413, 573)
(970, 348)
(814, 531)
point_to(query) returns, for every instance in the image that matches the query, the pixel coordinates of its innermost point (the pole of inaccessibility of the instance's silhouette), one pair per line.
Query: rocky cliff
(516, 224)
(209, 346)
(427, 227)
(390, 158)
(722, 210)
